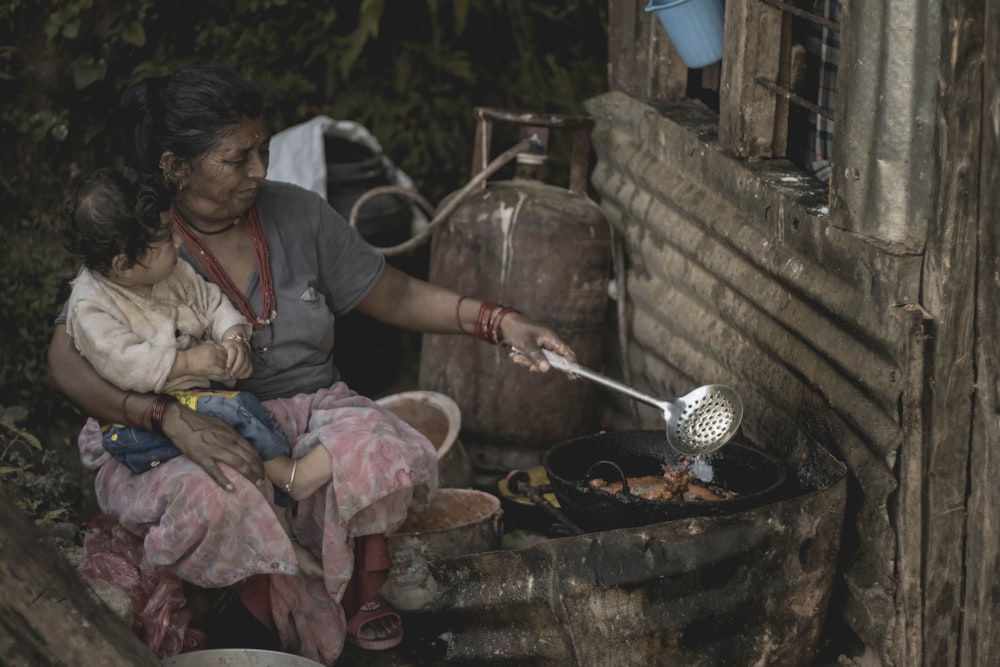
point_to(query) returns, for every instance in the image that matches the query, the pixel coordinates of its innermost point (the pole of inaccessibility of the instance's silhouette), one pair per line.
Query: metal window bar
(782, 90)
(802, 14)
(778, 89)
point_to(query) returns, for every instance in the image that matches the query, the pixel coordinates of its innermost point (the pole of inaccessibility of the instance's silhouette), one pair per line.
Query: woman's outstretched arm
(407, 302)
(205, 440)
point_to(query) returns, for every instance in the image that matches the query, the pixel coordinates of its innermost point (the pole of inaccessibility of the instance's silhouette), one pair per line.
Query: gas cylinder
(544, 250)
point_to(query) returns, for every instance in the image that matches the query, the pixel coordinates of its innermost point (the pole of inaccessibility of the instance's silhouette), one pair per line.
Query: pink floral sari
(201, 533)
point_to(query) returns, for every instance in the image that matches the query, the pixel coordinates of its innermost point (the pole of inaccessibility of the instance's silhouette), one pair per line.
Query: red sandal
(372, 610)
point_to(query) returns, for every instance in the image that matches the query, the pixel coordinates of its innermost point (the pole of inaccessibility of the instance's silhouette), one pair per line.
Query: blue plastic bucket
(695, 28)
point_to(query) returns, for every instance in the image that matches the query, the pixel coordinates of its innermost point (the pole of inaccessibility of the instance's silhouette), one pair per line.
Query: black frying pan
(753, 475)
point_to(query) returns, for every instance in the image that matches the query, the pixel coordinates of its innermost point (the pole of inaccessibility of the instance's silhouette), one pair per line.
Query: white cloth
(298, 156)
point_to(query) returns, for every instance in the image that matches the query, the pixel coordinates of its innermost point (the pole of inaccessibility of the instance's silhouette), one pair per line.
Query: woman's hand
(209, 441)
(526, 339)
(206, 440)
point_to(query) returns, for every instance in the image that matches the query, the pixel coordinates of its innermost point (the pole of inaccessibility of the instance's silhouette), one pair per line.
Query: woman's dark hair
(187, 112)
(115, 211)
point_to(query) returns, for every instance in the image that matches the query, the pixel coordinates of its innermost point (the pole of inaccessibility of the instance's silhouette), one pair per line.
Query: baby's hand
(238, 364)
(207, 359)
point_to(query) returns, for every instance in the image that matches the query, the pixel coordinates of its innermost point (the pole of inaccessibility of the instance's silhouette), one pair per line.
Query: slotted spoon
(697, 423)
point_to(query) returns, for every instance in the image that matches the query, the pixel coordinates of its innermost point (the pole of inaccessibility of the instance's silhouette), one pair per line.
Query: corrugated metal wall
(737, 275)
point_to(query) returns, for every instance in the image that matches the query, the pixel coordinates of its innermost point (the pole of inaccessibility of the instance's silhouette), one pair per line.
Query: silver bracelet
(287, 488)
(240, 338)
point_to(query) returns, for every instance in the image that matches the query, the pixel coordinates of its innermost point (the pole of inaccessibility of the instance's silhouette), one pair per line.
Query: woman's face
(222, 184)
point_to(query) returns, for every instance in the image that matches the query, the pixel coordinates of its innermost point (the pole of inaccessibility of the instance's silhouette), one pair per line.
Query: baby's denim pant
(141, 450)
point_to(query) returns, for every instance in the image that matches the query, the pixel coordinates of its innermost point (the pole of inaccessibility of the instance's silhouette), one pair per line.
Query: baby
(148, 323)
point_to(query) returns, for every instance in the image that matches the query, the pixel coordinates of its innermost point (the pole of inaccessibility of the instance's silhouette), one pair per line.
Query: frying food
(674, 485)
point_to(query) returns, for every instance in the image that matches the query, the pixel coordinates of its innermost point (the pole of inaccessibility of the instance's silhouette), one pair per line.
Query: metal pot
(755, 478)
(237, 657)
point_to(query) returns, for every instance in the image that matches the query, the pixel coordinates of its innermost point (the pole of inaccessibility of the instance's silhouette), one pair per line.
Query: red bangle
(486, 310)
(458, 315)
(157, 409)
(491, 325)
(488, 321)
(126, 420)
(495, 332)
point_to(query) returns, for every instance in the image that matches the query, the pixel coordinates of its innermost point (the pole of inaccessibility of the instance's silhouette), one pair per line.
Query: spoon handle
(564, 364)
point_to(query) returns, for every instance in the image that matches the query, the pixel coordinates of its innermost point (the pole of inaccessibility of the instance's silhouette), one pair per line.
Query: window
(779, 81)
(774, 91)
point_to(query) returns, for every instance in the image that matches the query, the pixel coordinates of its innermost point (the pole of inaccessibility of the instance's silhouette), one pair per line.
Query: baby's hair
(116, 211)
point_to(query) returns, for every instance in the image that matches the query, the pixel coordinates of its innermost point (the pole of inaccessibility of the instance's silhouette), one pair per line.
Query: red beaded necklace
(219, 276)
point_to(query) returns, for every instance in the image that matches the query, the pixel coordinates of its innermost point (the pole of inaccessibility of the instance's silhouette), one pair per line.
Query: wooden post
(48, 616)
(949, 295)
(753, 38)
(980, 640)
(643, 62)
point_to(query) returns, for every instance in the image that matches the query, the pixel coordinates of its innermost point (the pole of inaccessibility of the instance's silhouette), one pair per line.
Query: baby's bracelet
(240, 338)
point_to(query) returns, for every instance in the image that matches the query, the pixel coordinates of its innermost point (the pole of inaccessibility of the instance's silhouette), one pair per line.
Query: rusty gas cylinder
(541, 249)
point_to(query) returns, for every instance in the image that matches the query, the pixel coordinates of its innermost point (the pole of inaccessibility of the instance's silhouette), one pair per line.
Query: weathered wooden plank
(626, 65)
(752, 48)
(949, 296)
(643, 62)
(909, 517)
(779, 143)
(981, 625)
(47, 614)
(667, 74)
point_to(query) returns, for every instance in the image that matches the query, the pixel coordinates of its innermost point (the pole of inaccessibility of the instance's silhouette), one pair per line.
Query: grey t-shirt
(321, 268)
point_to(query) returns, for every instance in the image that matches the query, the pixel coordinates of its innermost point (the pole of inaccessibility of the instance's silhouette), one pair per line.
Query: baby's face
(157, 263)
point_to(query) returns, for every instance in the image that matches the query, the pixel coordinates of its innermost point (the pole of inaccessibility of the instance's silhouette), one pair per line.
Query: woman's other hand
(206, 441)
(209, 441)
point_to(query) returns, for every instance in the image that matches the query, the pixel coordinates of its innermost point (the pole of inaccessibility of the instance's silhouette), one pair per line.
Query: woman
(291, 265)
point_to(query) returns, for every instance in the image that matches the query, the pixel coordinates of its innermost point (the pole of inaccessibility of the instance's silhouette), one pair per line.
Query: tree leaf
(87, 72)
(134, 34)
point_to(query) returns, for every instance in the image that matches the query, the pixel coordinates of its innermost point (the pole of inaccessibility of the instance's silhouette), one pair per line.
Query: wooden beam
(949, 296)
(747, 111)
(643, 62)
(48, 616)
(980, 640)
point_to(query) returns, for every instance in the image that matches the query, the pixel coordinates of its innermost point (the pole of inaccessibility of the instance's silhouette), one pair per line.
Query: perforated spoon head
(704, 419)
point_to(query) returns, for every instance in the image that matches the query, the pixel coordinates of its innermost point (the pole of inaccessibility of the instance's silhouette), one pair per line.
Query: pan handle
(591, 474)
(519, 482)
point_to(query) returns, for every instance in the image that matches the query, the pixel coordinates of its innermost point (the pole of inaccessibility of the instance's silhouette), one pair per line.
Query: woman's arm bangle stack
(157, 409)
(488, 322)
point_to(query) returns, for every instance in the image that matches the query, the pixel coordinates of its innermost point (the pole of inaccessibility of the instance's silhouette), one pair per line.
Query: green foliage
(410, 71)
(31, 475)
